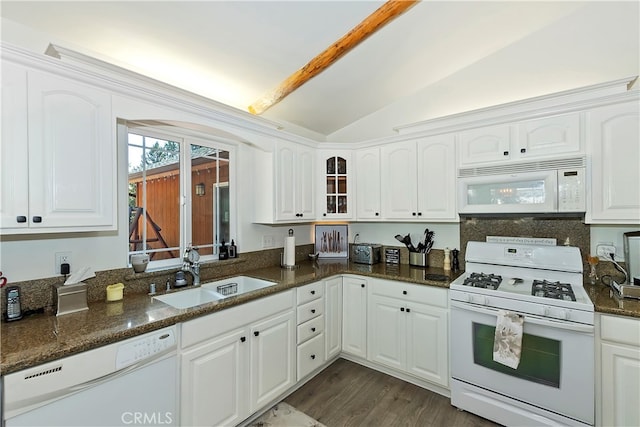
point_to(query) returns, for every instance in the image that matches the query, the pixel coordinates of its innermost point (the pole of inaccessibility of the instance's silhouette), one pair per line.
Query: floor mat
(285, 415)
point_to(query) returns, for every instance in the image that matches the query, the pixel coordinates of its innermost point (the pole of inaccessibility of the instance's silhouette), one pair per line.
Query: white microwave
(548, 186)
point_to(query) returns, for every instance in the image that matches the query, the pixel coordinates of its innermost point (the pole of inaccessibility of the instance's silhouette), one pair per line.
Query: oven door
(556, 370)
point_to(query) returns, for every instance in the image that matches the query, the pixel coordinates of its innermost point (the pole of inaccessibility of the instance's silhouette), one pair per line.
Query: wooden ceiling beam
(372, 23)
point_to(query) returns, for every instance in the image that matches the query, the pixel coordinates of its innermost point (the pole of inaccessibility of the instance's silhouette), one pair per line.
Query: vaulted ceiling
(437, 58)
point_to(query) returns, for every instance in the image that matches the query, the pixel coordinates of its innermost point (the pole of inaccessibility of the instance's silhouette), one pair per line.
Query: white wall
(610, 234)
(596, 44)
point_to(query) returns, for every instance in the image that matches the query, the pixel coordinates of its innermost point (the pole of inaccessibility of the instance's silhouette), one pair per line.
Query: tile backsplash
(566, 231)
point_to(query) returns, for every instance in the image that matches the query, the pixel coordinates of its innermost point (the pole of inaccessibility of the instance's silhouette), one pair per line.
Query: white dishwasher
(132, 382)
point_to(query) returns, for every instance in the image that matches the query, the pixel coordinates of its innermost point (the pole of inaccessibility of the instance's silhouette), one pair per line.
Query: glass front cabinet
(336, 184)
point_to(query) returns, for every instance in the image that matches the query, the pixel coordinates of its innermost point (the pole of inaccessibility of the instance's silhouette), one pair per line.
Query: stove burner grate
(482, 280)
(556, 290)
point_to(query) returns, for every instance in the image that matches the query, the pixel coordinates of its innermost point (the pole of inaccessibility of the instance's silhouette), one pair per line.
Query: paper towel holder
(287, 267)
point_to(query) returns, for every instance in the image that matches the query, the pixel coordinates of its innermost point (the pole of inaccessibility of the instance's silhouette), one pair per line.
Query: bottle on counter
(447, 259)
(233, 250)
(224, 251)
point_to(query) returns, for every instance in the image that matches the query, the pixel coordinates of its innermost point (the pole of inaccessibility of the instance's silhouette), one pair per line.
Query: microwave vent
(540, 165)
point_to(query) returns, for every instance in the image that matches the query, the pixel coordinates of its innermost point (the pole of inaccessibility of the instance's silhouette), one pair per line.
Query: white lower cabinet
(354, 316)
(619, 371)
(408, 329)
(310, 350)
(237, 361)
(333, 317)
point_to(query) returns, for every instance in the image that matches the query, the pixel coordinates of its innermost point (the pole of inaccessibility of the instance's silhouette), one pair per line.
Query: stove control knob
(545, 310)
(484, 300)
(563, 314)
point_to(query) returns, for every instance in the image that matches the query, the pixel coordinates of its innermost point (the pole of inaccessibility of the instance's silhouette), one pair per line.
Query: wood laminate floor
(348, 394)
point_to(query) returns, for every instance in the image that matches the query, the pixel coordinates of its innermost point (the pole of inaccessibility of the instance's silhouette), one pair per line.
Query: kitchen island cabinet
(245, 351)
(58, 154)
(618, 367)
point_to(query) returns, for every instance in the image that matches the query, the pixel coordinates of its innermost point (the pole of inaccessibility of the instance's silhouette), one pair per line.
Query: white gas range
(543, 287)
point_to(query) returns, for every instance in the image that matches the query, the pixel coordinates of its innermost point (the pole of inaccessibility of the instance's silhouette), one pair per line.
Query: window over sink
(179, 193)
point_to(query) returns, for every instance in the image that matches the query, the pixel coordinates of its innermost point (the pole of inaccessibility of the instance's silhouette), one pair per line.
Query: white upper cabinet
(285, 184)
(368, 190)
(296, 184)
(336, 182)
(551, 136)
(68, 155)
(614, 148)
(418, 179)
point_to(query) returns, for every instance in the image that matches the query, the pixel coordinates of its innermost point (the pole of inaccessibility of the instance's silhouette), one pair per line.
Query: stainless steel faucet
(191, 264)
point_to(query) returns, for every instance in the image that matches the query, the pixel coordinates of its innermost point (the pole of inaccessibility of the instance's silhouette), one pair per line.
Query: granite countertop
(44, 337)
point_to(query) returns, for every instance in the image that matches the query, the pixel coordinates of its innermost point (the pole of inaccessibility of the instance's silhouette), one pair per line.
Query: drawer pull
(313, 292)
(313, 356)
(408, 310)
(404, 292)
(256, 333)
(243, 339)
(37, 219)
(401, 308)
(21, 218)
(313, 329)
(313, 311)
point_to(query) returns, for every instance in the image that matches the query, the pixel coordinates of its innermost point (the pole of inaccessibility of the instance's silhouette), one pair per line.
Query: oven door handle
(571, 326)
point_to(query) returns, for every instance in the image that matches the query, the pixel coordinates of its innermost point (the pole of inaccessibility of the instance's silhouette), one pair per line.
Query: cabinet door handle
(362, 285)
(401, 308)
(505, 153)
(377, 214)
(413, 213)
(419, 213)
(324, 214)
(37, 219)
(21, 218)
(313, 311)
(408, 310)
(313, 292)
(313, 356)
(256, 333)
(404, 292)
(523, 150)
(243, 339)
(313, 329)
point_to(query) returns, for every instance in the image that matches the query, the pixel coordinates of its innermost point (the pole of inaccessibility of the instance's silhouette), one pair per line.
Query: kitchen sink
(237, 285)
(189, 298)
(214, 291)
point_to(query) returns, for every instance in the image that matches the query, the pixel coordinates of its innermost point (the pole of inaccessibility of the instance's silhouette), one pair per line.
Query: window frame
(186, 138)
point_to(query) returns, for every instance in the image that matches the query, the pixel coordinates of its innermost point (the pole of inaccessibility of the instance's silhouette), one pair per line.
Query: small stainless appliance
(366, 253)
(543, 287)
(631, 246)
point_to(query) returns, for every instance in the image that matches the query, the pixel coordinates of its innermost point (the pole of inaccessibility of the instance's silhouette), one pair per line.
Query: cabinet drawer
(423, 294)
(310, 310)
(310, 329)
(310, 356)
(623, 330)
(310, 292)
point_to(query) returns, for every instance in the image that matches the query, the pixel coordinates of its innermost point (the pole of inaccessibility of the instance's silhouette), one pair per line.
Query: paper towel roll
(290, 251)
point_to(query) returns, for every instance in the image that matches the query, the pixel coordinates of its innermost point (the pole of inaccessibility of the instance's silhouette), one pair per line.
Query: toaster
(366, 253)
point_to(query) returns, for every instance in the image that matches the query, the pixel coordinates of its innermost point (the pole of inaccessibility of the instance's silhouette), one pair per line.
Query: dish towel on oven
(507, 343)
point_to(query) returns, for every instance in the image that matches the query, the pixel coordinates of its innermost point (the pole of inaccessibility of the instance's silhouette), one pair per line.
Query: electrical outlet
(604, 249)
(62, 258)
(268, 241)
